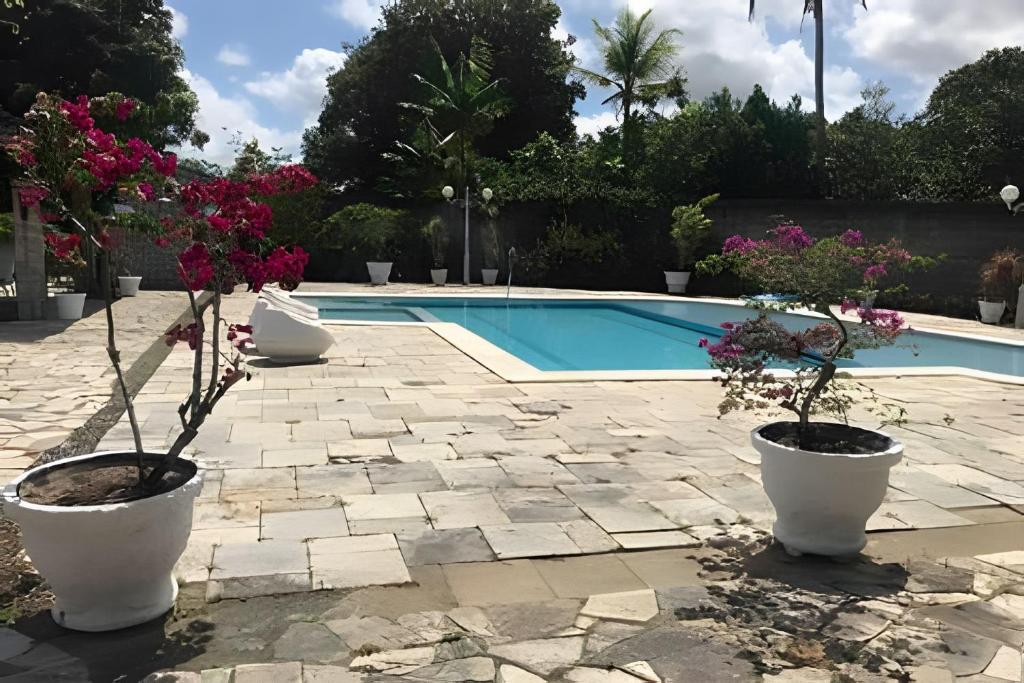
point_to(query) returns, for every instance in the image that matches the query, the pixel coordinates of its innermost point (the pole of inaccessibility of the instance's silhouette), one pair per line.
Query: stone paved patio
(436, 500)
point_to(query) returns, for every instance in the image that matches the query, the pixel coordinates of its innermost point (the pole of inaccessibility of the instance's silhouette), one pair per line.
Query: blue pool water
(638, 335)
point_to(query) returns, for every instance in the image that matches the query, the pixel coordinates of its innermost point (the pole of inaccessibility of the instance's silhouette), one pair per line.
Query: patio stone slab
(695, 511)
(373, 632)
(541, 656)
(214, 515)
(289, 672)
(588, 537)
(419, 452)
(304, 524)
(456, 509)
(538, 539)
(385, 506)
(357, 561)
(513, 674)
(581, 577)
(537, 505)
(497, 583)
(626, 517)
(475, 473)
(331, 480)
(358, 448)
(414, 477)
(633, 606)
(314, 453)
(444, 546)
(245, 570)
(655, 539)
(239, 485)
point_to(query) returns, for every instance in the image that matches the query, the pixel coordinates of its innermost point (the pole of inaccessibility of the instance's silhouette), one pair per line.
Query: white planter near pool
(991, 311)
(70, 306)
(439, 276)
(489, 275)
(129, 284)
(380, 271)
(822, 500)
(110, 566)
(677, 281)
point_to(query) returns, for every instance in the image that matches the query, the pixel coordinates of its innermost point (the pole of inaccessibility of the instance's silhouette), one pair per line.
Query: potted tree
(436, 234)
(690, 231)
(824, 478)
(999, 280)
(62, 250)
(372, 233)
(105, 529)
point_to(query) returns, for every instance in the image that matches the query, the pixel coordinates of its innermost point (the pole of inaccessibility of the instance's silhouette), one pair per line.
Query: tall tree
(363, 117)
(639, 64)
(816, 8)
(91, 47)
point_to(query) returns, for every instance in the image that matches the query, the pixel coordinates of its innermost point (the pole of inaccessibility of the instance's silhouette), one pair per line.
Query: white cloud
(923, 39)
(302, 87)
(720, 47)
(179, 23)
(360, 13)
(583, 49)
(234, 55)
(224, 118)
(593, 124)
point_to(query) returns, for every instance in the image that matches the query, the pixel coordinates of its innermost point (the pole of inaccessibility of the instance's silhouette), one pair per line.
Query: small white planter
(991, 311)
(490, 275)
(129, 284)
(110, 566)
(439, 276)
(869, 299)
(380, 271)
(823, 501)
(70, 306)
(677, 281)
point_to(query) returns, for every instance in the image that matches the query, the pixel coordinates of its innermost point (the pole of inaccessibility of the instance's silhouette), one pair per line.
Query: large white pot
(439, 276)
(489, 275)
(677, 281)
(109, 565)
(823, 501)
(379, 272)
(129, 284)
(991, 311)
(70, 306)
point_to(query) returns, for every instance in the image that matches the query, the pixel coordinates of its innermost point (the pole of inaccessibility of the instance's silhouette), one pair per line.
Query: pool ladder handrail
(511, 258)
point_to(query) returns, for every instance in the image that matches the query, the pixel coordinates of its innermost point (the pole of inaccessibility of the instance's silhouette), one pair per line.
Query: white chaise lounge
(286, 330)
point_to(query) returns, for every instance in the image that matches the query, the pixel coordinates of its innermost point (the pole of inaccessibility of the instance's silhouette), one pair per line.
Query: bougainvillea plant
(74, 172)
(764, 364)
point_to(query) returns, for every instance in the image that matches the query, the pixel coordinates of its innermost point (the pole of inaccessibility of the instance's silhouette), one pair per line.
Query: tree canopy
(74, 47)
(363, 117)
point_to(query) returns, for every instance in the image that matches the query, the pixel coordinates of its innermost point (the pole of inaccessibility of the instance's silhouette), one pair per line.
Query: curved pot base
(136, 605)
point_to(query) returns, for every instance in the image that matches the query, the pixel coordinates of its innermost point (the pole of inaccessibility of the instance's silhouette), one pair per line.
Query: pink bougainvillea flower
(77, 113)
(737, 244)
(194, 266)
(31, 196)
(852, 238)
(63, 247)
(146, 192)
(124, 109)
(791, 237)
(875, 272)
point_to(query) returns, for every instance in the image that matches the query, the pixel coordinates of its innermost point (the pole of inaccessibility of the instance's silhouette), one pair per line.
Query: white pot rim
(129, 277)
(894, 450)
(9, 493)
(71, 294)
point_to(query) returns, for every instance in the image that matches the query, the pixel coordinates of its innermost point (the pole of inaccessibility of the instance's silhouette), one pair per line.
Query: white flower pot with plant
(105, 529)
(1000, 277)
(491, 242)
(129, 284)
(371, 233)
(436, 234)
(690, 231)
(70, 305)
(823, 478)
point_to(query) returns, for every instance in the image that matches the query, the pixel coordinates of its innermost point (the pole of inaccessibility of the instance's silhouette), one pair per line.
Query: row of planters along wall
(601, 247)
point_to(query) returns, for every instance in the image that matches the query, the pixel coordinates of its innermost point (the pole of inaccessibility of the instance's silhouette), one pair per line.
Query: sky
(259, 67)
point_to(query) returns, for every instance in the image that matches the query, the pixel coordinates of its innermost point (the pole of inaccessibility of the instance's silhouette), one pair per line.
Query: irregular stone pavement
(402, 462)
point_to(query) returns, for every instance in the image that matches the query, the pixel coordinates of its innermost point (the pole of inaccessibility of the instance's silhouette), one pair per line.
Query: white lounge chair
(286, 330)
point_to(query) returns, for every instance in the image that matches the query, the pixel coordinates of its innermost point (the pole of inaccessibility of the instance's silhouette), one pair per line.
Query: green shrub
(373, 233)
(690, 231)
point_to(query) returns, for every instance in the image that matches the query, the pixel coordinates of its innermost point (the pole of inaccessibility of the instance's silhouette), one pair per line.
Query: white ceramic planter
(379, 272)
(991, 311)
(490, 275)
(439, 276)
(129, 284)
(677, 281)
(70, 306)
(823, 501)
(110, 566)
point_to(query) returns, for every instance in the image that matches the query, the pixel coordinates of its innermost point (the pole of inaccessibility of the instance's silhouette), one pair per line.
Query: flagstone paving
(447, 511)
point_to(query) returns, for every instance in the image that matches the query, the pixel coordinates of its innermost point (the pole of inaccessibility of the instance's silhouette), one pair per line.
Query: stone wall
(140, 256)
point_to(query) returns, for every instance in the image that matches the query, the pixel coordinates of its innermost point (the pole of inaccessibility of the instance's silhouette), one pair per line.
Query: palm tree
(815, 7)
(638, 64)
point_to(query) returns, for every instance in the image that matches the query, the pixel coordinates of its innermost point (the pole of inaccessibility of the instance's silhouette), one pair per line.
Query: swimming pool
(627, 334)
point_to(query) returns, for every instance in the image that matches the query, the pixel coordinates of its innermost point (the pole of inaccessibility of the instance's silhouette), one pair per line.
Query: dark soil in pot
(827, 437)
(99, 481)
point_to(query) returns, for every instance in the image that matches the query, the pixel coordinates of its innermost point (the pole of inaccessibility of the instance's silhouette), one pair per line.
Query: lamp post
(448, 192)
(1011, 197)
